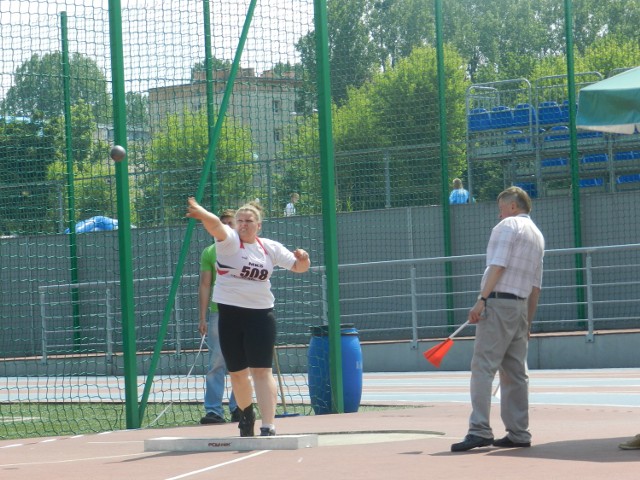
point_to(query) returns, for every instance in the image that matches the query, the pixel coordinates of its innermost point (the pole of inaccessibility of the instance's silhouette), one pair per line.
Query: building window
(276, 106)
(277, 134)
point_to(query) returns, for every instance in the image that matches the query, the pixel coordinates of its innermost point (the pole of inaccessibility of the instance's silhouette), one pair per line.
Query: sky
(162, 39)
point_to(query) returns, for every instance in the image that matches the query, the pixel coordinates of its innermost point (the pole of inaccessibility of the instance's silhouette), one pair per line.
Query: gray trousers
(501, 345)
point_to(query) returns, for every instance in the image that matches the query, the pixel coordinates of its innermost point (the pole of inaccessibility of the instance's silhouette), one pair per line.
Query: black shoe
(506, 442)
(236, 414)
(267, 432)
(471, 441)
(247, 420)
(211, 418)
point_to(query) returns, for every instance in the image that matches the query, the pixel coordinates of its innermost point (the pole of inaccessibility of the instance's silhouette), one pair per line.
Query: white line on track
(71, 460)
(213, 467)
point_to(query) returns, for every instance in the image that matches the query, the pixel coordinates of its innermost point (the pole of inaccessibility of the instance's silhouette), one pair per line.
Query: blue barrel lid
(323, 330)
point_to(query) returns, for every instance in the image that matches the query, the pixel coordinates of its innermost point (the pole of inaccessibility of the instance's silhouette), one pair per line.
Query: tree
(175, 162)
(502, 39)
(85, 148)
(38, 90)
(399, 26)
(301, 172)
(94, 190)
(406, 127)
(25, 153)
(388, 130)
(137, 105)
(94, 184)
(352, 55)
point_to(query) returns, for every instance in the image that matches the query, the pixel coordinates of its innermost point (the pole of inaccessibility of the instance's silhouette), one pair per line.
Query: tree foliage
(94, 183)
(26, 150)
(502, 39)
(175, 162)
(388, 131)
(38, 92)
(352, 54)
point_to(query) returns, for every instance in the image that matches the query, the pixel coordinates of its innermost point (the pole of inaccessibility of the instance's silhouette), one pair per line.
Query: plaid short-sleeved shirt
(516, 244)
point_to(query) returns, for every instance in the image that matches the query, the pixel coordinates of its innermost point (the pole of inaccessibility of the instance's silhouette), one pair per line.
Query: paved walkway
(569, 440)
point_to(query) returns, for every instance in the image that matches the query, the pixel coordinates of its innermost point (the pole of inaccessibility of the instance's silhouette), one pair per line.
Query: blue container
(319, 372)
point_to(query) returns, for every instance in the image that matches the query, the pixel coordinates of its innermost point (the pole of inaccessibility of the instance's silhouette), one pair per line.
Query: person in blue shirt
(458, 195)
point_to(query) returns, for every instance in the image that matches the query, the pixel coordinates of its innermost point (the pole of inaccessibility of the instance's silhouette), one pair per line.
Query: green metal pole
(444, 163)
(71, 207)
(124, 218)
(575, 175)
(329, 223)
(153, 363)
(208, 67)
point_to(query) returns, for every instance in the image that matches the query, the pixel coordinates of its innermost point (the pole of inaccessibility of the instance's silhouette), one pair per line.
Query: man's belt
(505, 296)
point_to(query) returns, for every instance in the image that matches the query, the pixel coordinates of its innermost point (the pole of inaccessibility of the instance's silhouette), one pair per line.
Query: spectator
(458, 195)
(290, 209)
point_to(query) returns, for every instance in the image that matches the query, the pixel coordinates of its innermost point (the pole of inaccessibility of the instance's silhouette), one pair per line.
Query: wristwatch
(484, 299)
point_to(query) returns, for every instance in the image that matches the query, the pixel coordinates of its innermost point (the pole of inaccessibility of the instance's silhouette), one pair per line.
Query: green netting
(61, 316)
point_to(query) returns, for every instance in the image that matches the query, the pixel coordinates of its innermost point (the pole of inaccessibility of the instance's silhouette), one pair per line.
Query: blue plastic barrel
(319, 373)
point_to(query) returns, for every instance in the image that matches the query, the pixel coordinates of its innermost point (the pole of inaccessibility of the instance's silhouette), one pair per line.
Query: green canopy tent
(611, 105)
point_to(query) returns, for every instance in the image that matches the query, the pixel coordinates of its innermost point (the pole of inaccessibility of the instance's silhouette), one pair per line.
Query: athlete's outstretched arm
(210, 222)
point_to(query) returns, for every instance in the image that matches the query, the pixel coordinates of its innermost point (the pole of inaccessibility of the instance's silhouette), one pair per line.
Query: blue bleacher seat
(479, 119)
(632, 155)
(591, 182)
(524, 115)
(549, 113)
(557, 133)
(564, 109)
(501, 117)
(589, 134)
(595, 158)
(517, 137)
(554, 162)
(632, 178)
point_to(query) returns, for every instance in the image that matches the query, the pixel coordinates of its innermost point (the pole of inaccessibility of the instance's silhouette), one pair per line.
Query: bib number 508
(256, 273)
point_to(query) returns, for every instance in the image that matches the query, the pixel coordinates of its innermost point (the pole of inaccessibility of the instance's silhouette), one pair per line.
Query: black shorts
(247, 336)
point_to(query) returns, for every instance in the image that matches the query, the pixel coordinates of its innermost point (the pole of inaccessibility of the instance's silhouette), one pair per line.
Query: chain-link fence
(505, 108)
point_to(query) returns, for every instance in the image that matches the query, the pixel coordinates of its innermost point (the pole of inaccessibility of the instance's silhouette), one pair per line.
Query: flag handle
(459, 329)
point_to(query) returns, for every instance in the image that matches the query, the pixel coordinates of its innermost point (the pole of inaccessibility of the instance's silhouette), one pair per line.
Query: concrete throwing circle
(330, 439)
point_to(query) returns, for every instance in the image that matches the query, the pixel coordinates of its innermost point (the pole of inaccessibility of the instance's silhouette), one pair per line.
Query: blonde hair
(457, 183)
(254, 208)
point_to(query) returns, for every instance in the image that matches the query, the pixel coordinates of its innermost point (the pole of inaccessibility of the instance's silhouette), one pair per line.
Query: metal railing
(389, 300)
(611, 293)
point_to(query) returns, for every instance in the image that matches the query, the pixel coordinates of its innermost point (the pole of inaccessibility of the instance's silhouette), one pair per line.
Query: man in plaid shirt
(505, 308)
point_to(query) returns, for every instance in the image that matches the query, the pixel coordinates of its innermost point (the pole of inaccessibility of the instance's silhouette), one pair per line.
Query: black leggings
(247, 336)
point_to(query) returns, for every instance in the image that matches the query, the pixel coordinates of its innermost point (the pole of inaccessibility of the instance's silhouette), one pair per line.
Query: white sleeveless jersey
(244, 270)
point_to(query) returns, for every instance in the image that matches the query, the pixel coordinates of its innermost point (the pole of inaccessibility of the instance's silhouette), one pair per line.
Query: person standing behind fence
(247, 322)
(505, 308)
(458, 195)
(208, 325)
(290, 209)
